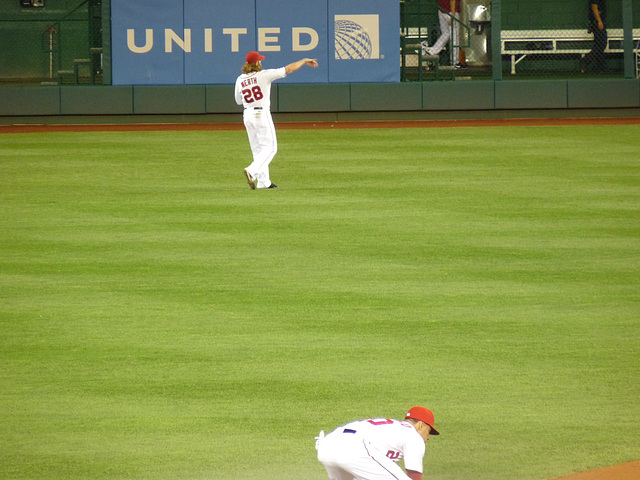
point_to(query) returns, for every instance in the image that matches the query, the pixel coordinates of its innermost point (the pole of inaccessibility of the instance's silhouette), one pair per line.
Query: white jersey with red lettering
(253, 91)
(369, 448)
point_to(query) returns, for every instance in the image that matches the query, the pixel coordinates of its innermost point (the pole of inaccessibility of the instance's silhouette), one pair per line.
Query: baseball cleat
(273, 185)
(250, 181)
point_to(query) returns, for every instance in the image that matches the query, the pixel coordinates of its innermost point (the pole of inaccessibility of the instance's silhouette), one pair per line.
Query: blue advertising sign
(139, 54)
(286, 37)
(366, 39)
(190, 42)
(224, 33)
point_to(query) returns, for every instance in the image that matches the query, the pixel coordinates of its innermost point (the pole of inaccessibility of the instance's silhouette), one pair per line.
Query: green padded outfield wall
(473, 97)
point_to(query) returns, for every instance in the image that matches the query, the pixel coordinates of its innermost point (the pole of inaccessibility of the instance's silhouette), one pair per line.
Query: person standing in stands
(597, 26)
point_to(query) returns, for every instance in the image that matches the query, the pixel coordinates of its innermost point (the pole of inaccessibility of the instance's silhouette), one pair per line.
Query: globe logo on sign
(352, 41)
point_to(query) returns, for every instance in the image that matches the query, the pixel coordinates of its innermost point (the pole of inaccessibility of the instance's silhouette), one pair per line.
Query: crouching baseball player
(253, 91)
(369, 449)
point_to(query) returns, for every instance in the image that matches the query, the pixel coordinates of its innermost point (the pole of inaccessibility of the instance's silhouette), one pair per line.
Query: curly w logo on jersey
(357, 37)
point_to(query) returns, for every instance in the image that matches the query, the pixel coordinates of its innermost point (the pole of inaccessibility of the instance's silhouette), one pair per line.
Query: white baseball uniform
(253, 91)
(368, 450)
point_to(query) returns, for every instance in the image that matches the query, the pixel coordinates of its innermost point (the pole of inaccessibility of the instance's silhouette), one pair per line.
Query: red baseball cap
(254, 57)
(424, 415)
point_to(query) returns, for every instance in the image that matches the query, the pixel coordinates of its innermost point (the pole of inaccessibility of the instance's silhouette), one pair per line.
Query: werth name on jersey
(250, 81)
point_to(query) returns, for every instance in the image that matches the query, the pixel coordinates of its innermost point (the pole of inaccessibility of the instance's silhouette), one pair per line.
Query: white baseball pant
(263, 142)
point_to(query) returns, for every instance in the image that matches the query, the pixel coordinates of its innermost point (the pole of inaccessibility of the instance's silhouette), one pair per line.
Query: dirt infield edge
(624, 471)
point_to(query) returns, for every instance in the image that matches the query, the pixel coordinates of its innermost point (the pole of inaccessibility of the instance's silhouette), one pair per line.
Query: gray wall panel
(220, 99)
(531, 94)
(386, 96)
(29, 101)
(96, 100)
(463, 95)
(604, 93)
(169, 99)
(314, 98)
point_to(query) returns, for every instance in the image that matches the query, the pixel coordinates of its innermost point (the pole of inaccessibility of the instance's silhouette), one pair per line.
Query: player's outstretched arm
(292, 67)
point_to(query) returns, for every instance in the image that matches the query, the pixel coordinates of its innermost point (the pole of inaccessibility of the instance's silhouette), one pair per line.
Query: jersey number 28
(252, 94)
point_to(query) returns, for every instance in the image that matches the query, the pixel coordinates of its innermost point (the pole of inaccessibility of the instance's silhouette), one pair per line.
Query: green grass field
(162, 321)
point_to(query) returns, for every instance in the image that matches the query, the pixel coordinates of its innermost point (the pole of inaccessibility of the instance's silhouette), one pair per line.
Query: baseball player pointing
(368, 449)
(253, 91)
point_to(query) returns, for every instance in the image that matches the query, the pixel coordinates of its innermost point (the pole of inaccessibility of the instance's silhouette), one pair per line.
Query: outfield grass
(162, 321)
